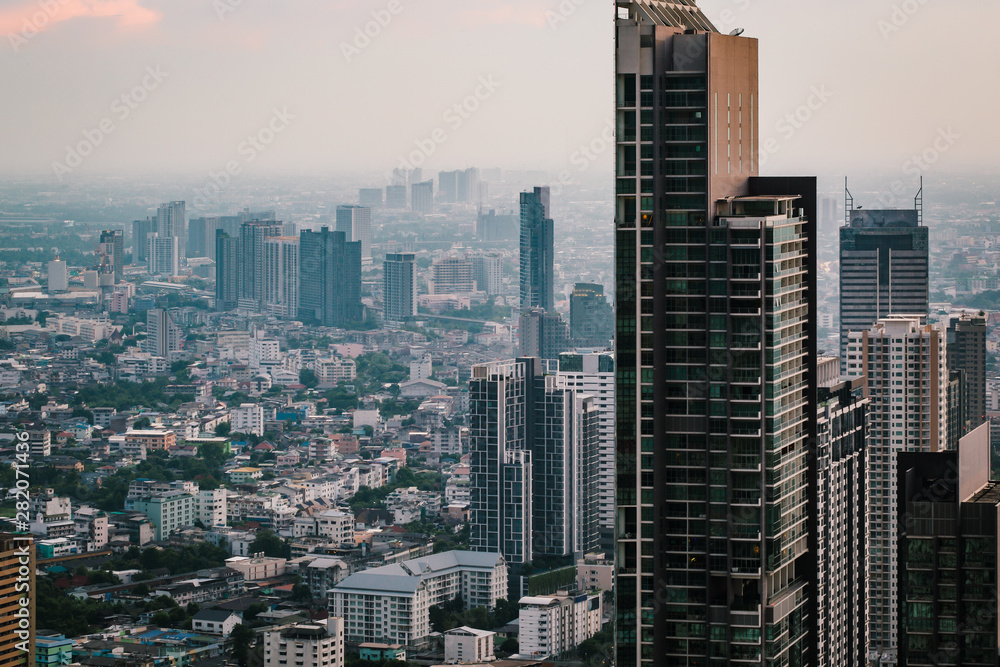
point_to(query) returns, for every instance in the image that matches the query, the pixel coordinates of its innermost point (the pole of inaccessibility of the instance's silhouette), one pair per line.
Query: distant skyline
(269, 86)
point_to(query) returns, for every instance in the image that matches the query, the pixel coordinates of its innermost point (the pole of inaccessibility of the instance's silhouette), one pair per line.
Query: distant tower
(162, 335)
(329, 279)
(171, 220)
(423, 198)
(537, 241)
(356, 224)
(112, 252)
(227, 271)
(58, 276)
(400, 289)
(253, 233)
(281, 277)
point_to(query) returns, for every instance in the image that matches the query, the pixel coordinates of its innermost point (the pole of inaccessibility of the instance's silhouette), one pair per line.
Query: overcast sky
(201, 76)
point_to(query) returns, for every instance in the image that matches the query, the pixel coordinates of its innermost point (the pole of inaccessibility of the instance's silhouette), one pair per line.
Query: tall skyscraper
(253, 233)
(467, 186)
(591, 317)
(716, 358)
(543, 334)
(395, 197)
(141, 229)
(356, 223)
(202, 231)
(422, 197)
(17, 600)
(842, 552)
(372, 197)
(227, 271)
(171, 220)
(162, 335)
(948, 558)
(535, 453)
(593, 373)
(448, 186)
(162, 255)
(967, 354)
(58, 276)
(537, 250)
(883, 267)
(907, 369)
(281, 277)
(399, 292)
(329, 279)
(112, 253)
(491, 227)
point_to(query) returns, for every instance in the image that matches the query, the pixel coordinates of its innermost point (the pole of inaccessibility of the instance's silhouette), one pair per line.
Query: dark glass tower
(227, 271)
(716, 351)
(329, 279)
(537, 242)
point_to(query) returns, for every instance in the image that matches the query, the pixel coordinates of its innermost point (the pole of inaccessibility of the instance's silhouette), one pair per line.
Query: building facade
(314, 644)
(356, 224)
(967, 355)
(281, 277)
(400, 288)
(330, 279)
(253, 234)
(537, 250)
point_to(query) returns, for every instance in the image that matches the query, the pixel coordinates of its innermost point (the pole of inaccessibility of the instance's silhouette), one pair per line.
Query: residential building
(487, 272)
(422, 197)
(162, 255)
(379, 652)
(371, 197)
(281, 277)
(215, 622)
(592, 319)
(111, 252)
(253, 234)
(395, 197)
(150, 439)
(715, 374)
(211, 507)
(53, 651)
(593, 374)
(947, 556)
(537, 251)
(330, 279)
(551, 625)
(493, 226)
(967, 354)
(141, 229)
(452, 275)
(543, 334)
(391, 603)
(171, 223)
(314, 644)
(257, 567)
(227, 271)
(399, 293)
(906, 366)
(167, 511)
(356, 224)
(245, 475)
(883, 267)
(163, 337)
(468, 645)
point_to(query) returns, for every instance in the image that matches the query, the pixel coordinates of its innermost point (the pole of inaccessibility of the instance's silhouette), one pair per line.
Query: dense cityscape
(686, 414)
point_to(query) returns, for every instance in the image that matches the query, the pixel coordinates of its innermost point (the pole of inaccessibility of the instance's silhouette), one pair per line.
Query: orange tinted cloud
(30, 18)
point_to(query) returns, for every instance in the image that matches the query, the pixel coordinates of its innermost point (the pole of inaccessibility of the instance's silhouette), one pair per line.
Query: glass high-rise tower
(716, 358)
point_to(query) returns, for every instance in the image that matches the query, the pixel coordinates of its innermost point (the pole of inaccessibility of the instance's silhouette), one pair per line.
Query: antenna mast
(918, 202)
(848, 203)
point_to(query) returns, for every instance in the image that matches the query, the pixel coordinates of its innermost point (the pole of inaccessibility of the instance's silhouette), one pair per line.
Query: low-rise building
(377, 652)
(215, 621)
(467, 644)
(551, 625)
(152, 439)
(257, 568)
(166, 511)
(316, 644)
(245, 475)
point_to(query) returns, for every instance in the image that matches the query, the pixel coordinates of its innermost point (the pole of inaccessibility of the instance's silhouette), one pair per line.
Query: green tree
(243, 638)
(141, 423)
(307, 376)
(222, 430)
(270, 545)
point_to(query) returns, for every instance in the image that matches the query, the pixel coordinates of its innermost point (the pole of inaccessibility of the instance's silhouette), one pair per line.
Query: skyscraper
(162, 335)
(422, 197)
(227, 271)
(371, 197)
(281, 277)
(448, 186)
(171, 220)
(452, 275)
(395, 197)
(883, 267)
(907, 369)
(593, 373)
(356, 223)
(329, 279)
(537, 250)
(535, 451)
(58, 276)
(948, 558)
(491, 227)
(591, 317)
(162, 255)
(253, 233)
(141, 229)
(112, 253)
(202, 231)
(400, 289)
(487, 271)
(716, 354)
(967, 353)
(842, 552)
(543, 334)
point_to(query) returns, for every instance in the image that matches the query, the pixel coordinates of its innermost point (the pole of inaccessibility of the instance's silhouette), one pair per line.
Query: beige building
(317, 644)
(465, 644)
(256, 568)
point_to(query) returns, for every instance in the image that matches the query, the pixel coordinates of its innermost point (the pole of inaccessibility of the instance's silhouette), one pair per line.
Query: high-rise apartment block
(422, 197)
(330, 279)
(111, 253)
(487, 272)
(371, 197)
(537, 250)
(395, 197)
(883, 267)
(492, 227)
(313, 644)
(906, 367)
(141, 229)
(58, 276)
(162, 258)
(281, 277)
(967, 354)
(535, 455)
(591, 317)
(947, 558)
(227, 271)
(452, 275)
(163, 337)
(399, 292)
(253, 234)
(171, 221)
(356, 224)
(716, 357)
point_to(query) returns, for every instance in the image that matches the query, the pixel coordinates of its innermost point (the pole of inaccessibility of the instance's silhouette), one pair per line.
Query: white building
(281, 277)
(392, 603)
(211, 507)
(553, 624)
(422, 367)
(487, 270)
(248, 418)
(315, 644)
(256, 568)
(264, 352)
(907, 369)
(334, 370)
(215, 622)
(467, 644)
(58, 276)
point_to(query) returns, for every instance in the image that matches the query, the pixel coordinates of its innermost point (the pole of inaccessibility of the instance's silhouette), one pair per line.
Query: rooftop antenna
(848, 203)
(737, 32)
(918, 202)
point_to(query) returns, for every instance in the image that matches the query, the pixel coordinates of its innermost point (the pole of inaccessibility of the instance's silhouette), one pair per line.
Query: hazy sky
(201, 76)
